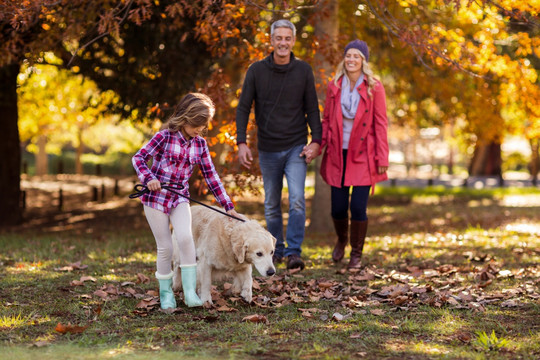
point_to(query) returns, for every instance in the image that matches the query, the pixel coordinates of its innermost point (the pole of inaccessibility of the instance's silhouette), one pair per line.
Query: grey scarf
(350, 99)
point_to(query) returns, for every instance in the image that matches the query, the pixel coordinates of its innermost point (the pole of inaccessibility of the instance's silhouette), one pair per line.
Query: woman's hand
(382, 169)
(154, 185)
(310, 152)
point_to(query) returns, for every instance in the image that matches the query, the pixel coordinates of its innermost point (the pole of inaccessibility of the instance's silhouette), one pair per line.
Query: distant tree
(480, 62)
(27, 29)
(150, 53)
(57, 108)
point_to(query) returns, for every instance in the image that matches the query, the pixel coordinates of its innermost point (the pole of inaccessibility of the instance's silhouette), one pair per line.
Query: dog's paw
(247, 296)
(207, 300)
(247, 300)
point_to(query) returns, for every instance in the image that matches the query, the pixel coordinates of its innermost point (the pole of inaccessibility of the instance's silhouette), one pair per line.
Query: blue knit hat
(360, 45)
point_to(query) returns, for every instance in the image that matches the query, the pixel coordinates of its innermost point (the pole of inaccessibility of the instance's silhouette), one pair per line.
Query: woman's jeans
(340, 197)
(273, 166)
(357, 200)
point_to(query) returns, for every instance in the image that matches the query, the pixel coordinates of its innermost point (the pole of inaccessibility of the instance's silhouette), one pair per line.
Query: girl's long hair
(194, 109)
(366, 69)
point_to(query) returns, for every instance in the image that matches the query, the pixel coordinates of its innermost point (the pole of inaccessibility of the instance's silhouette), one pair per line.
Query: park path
(56, 201)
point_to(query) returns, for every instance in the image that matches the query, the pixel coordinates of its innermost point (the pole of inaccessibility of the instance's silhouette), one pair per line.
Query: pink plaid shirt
(173, 161)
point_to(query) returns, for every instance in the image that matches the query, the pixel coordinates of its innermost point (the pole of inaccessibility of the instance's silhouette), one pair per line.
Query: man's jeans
(273, 166)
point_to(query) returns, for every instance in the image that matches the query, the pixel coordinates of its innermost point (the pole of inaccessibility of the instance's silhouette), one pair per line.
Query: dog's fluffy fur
(227, 248)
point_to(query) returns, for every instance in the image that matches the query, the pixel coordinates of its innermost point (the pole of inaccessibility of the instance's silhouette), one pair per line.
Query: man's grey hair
(282, 24)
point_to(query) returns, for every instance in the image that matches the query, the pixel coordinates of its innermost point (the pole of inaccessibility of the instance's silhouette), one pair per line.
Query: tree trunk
(321, 220)
(42, 161)
(80, 148)
(486, 160)
(534, 165)
(450, 135)
(10, 147)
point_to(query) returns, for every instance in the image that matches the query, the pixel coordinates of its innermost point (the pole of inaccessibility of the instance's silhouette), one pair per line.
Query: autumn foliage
(469, 65)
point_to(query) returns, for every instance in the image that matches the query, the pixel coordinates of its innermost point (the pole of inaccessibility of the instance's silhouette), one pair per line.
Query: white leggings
(180, 218)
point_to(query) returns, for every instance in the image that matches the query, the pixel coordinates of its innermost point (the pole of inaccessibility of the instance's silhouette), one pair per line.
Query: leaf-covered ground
(448, 273)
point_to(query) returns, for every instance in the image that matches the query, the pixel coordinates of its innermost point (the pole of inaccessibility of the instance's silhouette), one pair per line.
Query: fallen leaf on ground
(256, 318)
(147, 303)
(143, 279)
(464, 337)
(100, 293)
(74, 329)
(75, 266)
(41, 343)
(510, 303)
(377, 312)
(82, 280)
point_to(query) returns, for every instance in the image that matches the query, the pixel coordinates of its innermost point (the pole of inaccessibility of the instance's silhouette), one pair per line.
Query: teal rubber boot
(166, 295)
(189, 282)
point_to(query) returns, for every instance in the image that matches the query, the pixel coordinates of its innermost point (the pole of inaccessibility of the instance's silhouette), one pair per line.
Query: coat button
(362, 139)
(364, 124)
(366, 110)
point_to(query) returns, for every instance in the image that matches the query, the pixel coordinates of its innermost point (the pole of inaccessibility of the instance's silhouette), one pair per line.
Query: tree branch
(125, 9)
(393, 27)
(264, 8)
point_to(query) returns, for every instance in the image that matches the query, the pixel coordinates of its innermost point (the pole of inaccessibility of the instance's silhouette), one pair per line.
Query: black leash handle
(140, 190)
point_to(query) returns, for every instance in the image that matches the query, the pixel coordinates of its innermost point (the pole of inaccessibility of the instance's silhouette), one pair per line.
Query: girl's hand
(382, 169)
(154, 185)
(233, 212)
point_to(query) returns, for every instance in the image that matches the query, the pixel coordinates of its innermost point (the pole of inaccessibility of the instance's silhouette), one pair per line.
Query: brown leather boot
(342, 231)
(358, 236)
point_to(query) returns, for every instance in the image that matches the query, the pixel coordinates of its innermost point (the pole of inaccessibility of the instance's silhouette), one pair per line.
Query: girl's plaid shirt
(173, 160)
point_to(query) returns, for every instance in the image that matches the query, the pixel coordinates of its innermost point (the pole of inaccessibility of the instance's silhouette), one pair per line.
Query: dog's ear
(239, 248)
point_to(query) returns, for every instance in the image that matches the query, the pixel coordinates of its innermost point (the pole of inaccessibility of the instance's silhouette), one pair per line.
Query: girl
(355, 135)
(174, 151)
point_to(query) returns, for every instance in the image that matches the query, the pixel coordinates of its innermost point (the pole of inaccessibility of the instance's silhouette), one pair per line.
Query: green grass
(467, 262)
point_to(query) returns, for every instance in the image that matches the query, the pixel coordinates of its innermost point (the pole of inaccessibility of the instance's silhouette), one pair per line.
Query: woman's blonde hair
(194, 109)
(366, 69)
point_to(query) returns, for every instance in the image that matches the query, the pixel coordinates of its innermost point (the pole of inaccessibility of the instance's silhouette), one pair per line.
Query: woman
(355, 136)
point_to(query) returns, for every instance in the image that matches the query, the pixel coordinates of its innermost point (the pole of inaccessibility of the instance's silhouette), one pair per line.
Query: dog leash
(140, 190)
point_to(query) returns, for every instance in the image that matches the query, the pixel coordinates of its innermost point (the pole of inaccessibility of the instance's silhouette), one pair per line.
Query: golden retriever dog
(226, 249)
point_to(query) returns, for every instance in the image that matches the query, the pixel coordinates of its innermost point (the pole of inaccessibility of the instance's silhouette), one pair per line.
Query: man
(283, 89)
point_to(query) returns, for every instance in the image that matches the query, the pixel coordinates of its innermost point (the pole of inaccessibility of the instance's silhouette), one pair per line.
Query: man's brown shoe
(294, 262)
(276, 259)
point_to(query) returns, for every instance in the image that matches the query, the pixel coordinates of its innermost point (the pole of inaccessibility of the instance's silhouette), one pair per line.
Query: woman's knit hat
(360, 45)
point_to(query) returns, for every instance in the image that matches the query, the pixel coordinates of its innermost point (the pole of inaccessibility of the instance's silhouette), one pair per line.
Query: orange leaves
(28, 266)
(175, 10)
(73, 329)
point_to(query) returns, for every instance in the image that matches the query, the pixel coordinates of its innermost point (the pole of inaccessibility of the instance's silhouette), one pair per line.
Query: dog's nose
(270, 272)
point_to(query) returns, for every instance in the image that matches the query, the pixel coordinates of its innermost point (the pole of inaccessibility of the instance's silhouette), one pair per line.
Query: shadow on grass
(406, 230)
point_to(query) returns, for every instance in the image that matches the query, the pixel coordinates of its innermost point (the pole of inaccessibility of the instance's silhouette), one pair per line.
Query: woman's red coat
(368, 145)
